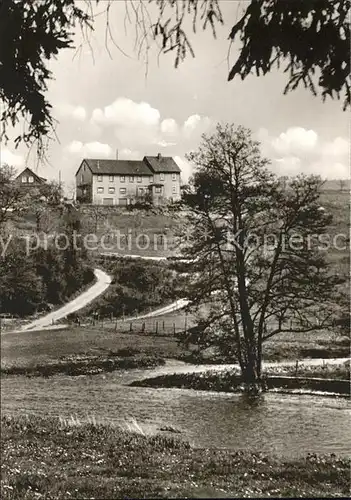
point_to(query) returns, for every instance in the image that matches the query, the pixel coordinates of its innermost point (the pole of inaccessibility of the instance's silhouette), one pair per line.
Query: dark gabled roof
(160, 163)
(111, 167)
(36, 176)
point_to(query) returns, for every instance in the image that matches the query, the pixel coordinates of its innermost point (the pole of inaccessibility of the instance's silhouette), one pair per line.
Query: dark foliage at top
(312, 37)
(31, 33)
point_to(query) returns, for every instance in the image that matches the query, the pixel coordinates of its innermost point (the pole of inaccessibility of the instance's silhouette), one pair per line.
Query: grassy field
(32, 348)
(46, 458)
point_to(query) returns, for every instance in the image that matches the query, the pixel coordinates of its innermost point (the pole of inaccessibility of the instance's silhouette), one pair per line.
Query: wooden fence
(164, 326)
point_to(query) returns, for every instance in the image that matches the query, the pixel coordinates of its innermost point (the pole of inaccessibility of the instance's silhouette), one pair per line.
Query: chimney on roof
(159, 156)
(116, 154)
(98, 164)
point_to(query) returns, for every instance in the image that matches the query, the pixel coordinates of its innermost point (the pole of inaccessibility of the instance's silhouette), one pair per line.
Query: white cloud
(89, 149)
(68, 111)
(339, 147)
(295, 140)
(138, 125)
(169, 127)
(126, 113)
(301, 151)
(134, 124)
(196, 125)
(9, 158)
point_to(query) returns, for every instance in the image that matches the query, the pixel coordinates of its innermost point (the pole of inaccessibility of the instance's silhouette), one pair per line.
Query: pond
(281, 424)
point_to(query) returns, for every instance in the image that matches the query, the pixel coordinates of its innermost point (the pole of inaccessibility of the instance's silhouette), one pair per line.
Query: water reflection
(286, 425)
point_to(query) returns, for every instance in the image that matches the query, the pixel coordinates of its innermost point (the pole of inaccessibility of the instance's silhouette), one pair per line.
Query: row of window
(111, 190)
(122, 178)
(29, 179)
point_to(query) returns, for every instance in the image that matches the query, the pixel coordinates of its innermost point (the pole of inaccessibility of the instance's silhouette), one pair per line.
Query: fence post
(143, 327)
(163, 325)
(296, 367)
(174, 329)
(116, 325)
(186, 322)
(131, 326)
(156, 327)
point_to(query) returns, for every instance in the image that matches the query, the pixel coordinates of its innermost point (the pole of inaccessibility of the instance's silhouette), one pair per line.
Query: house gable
(26, 174)
(83, 165)
(162, 164)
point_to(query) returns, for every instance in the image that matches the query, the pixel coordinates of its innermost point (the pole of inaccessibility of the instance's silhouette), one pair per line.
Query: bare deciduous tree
(259, 247)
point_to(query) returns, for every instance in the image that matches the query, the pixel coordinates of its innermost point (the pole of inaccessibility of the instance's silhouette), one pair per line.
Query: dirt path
(175, 306)
(103, 281)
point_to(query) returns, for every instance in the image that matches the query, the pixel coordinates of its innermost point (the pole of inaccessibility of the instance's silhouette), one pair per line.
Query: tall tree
(312, 39)
(259, 245)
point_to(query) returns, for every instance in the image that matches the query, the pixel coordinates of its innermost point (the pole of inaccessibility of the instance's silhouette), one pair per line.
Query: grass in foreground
(44, 458)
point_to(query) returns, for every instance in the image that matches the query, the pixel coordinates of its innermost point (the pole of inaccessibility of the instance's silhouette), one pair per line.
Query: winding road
(103, 281)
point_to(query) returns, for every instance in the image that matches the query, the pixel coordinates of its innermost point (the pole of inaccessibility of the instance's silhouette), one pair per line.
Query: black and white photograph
(175, 249)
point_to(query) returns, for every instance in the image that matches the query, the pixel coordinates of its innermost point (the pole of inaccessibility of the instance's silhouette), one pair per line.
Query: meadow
(99, 461)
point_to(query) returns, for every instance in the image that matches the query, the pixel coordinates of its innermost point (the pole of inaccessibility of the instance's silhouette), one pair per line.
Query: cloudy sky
(106, 102)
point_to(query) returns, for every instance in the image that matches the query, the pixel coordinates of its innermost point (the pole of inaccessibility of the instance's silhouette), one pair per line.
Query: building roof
(30, 172)
(160, 163)
(111, 167)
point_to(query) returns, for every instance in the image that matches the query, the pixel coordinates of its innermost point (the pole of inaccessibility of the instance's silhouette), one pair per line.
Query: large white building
(124, 182)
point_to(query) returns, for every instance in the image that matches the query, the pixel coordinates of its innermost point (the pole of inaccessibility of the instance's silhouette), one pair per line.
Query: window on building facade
(174, 177)
(31, 179)
(111, 190)
(174, 189)
(111, 178)
(158, 190)
(122, 178)
(100, 189)
(99, 178)
(152, 179)
(138, 178)
(131, 178)
(162, 177)
(24, 179)
(122, 190)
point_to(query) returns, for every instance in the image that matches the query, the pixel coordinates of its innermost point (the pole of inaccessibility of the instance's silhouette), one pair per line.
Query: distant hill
(334, 185)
